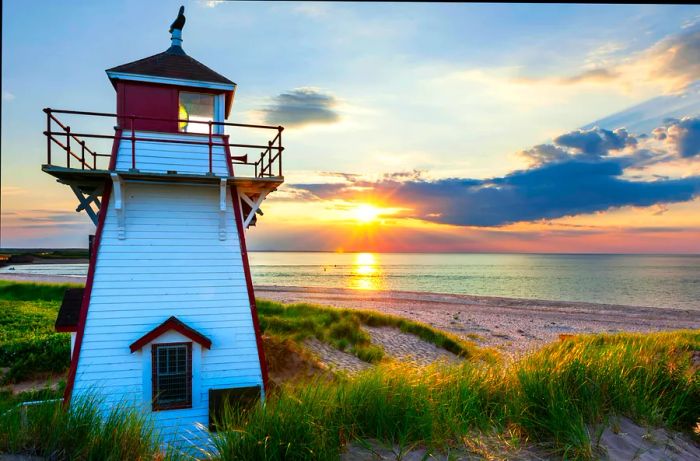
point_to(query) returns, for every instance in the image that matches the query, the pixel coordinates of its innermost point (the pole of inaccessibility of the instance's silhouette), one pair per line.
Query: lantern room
(170, 86)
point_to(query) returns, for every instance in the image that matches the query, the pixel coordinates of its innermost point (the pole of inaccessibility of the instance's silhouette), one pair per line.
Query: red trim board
(173, 323)
(246, 269)
(86, 297)
(68, 393)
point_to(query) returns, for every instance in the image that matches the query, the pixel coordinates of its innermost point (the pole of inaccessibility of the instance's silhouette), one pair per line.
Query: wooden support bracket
(86, 203)
(118, 186)
(254, 206)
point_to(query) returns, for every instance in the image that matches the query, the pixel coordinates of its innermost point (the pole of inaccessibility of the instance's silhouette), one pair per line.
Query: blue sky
(452, 90)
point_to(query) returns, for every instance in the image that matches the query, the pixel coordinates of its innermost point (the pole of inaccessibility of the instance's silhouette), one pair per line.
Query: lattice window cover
(172, 375)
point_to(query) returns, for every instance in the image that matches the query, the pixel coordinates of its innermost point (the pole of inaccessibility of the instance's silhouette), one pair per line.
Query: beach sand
(512, 325)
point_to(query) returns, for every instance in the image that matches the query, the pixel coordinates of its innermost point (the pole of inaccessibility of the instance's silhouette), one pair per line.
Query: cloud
(302, 106)
(582, 172)
(677, 58)
(596, 141)
(593, 75)
(683, 135)
(586, 143)
(672, 63)
(544, 153)
(7, 96)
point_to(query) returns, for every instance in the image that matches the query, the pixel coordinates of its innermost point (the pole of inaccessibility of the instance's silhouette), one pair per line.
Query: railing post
(67, 147)
(82, 154)
(262, 164)
(269, 157)
(133, 144)
(48, 135)
(210, 159)
(279, 150)
(94, 160)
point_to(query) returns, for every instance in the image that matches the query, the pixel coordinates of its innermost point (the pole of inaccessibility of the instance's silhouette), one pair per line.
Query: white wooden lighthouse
(167, 320)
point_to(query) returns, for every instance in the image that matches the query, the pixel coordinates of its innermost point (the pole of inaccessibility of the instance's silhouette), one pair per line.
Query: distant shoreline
(512, 325)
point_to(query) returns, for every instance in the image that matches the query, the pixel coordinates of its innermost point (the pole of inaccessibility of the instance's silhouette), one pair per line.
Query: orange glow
(366, 213)
(365, 272)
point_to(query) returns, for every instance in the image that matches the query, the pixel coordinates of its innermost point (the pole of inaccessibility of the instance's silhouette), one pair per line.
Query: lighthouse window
(172, 376)
(195, 107)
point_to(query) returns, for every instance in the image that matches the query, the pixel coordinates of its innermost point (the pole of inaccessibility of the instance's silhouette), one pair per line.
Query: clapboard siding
(171, 262)
(160, 157)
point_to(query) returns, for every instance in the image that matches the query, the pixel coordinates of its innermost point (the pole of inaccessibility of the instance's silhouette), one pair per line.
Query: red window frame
(154, 378)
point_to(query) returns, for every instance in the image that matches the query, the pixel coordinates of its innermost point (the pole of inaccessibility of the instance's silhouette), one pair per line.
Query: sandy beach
(512, 325)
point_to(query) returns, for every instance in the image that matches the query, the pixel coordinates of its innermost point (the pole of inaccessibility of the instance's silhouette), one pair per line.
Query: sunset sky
(409, 127)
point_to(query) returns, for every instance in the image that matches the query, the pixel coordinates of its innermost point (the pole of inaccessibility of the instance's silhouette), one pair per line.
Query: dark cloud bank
(301, 106)
(574, 175)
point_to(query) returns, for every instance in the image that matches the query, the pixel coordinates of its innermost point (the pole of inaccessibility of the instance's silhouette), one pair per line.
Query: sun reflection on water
(365, 272)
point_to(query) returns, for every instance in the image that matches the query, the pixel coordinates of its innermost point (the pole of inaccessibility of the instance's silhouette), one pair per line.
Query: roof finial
(176, 28)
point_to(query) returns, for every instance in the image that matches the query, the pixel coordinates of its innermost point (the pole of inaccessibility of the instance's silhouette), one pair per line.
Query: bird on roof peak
(179, 22)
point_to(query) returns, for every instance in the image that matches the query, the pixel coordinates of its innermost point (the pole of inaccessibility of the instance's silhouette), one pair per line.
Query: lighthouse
(167, 320)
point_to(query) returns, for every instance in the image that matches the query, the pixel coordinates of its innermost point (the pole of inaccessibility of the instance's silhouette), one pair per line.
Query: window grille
(172, 375)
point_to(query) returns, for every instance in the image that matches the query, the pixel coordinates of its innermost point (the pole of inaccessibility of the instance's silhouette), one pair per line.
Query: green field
(552, 399)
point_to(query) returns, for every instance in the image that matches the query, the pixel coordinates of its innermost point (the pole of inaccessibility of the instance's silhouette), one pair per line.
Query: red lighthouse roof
(173, 63)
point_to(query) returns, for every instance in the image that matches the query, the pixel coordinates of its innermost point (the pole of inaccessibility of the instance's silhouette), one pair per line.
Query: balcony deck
(91, 181)
(176, 157)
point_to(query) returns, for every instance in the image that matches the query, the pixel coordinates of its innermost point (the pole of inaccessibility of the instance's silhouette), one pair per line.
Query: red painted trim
(88, 292)
(80, 331)
(115, 152)
(173, 323)
(246, 270)
(66, 329)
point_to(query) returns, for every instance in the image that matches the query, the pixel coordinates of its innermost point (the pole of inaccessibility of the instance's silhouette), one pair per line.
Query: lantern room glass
(195, 107)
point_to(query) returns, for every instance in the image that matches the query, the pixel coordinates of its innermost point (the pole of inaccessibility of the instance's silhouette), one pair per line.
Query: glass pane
(195, 107)
(172, 378)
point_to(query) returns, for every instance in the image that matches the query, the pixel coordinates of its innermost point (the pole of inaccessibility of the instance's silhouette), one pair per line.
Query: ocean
(671, 281)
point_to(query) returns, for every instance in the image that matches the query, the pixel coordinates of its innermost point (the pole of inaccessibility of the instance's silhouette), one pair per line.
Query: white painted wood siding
(160, 157)
(170, 263)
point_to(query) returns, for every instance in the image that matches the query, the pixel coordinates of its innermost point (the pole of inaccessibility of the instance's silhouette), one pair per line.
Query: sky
(408, 127)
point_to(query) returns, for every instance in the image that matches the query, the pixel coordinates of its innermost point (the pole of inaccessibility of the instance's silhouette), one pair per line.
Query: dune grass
(342, 328)
(81, 433)
(551, 398)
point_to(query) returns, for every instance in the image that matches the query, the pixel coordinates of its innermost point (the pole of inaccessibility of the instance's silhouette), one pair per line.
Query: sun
(366, 213)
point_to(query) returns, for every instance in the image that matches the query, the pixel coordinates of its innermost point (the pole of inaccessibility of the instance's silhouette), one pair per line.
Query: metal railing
(268, 165)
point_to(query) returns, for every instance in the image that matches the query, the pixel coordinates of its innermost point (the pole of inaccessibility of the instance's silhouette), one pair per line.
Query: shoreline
(512, 325)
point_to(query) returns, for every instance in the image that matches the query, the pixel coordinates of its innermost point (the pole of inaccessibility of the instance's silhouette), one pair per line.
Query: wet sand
(513, 325)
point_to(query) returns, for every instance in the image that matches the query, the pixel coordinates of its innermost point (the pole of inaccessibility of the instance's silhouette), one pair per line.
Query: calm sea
(643, 280)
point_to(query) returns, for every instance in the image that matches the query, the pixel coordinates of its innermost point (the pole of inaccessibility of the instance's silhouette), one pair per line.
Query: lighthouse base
(168, 313)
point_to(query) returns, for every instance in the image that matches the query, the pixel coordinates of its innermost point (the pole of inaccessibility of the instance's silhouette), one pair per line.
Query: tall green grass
(81, 433)
(553, 397)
